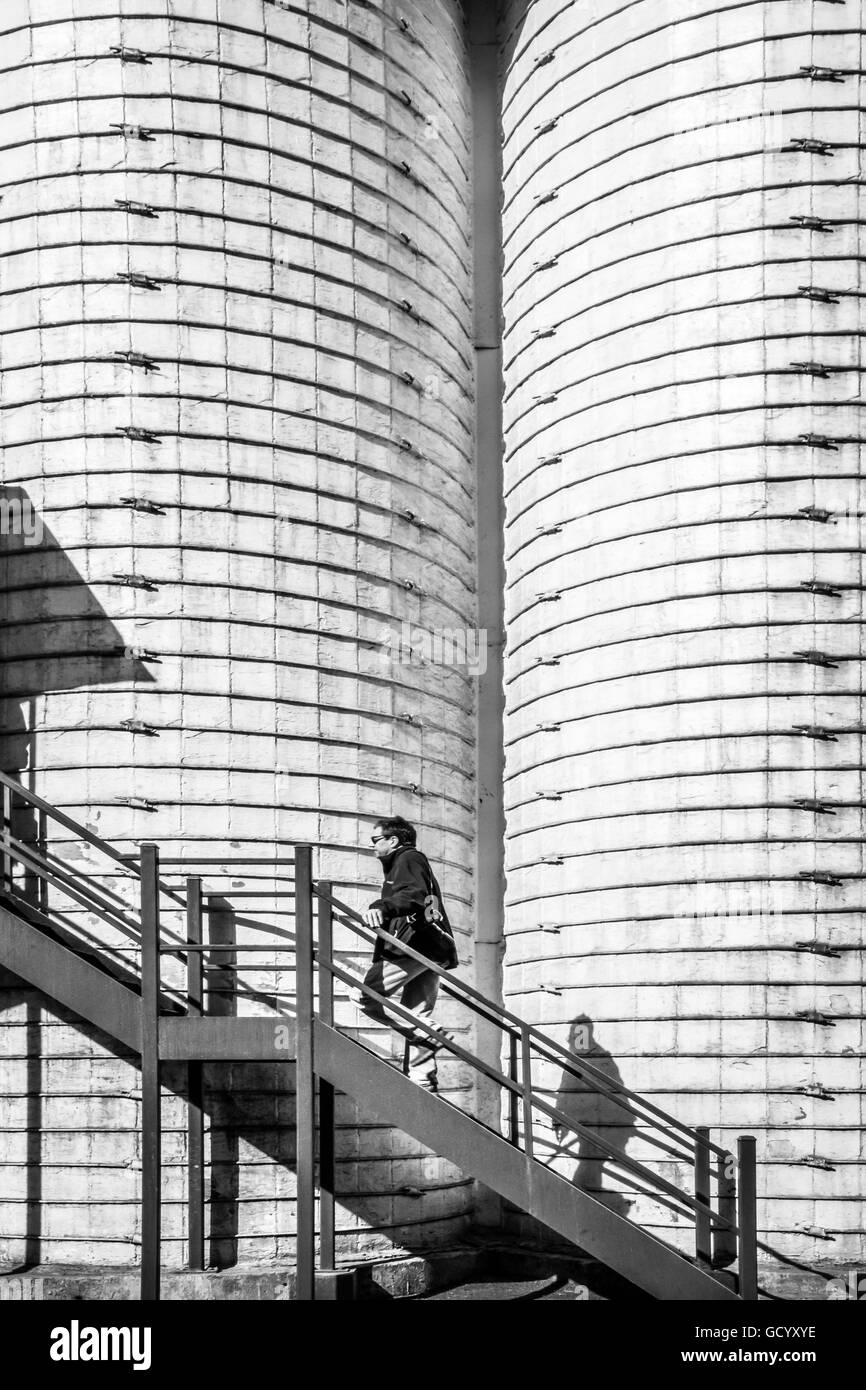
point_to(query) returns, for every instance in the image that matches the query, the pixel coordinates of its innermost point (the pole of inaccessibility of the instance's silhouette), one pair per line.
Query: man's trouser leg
(420, 995)
(418, 988)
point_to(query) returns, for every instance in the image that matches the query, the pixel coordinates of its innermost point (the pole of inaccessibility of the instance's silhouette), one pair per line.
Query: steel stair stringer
(392, 1098)
(69, 979)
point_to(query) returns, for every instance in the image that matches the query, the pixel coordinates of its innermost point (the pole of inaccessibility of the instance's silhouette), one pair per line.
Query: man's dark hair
(396, 825)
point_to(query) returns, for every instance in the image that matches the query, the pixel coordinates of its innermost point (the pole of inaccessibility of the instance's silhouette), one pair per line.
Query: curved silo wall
(683, 314)
(238, 390)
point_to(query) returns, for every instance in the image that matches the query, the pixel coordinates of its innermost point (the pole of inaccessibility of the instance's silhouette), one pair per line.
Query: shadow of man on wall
(611, 1120)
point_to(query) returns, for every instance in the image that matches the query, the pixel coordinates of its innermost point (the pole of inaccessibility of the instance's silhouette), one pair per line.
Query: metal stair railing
(719, 1237)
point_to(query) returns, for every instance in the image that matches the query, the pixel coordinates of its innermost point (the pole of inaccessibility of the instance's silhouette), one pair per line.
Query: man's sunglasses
(376, 838)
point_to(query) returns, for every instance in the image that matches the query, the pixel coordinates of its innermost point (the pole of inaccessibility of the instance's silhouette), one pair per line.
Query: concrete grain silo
(683, 425)
(238, 387)
(278, 381)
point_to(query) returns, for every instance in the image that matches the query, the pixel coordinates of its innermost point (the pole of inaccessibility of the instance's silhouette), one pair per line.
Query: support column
(305, 1081)
(151, 1129)
(487, 228)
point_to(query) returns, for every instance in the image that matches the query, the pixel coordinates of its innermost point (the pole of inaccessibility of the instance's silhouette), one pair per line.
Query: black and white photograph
(432, 726)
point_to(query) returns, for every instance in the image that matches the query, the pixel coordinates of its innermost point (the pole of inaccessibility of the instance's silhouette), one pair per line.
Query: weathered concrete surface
(236, 286)
(683, 518)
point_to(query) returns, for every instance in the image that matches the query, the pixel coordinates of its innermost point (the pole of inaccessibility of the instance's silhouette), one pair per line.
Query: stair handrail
(458, 988)
(127, 862)
(617, 1156)
(67, 822)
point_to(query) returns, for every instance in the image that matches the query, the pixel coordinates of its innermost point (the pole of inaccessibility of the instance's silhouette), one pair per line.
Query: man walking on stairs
(411, 911)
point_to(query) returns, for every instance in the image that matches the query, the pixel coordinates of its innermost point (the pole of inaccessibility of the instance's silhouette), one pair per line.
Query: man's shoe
(431, 1046)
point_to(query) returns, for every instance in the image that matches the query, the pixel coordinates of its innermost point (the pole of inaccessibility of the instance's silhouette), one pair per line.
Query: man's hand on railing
(373, 918)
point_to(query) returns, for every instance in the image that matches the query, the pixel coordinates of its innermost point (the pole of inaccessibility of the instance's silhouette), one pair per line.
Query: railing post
(725, 1237)
(305, 1081)
(150, 1099)
(6, 882)
(195, 1078)
(42, 845)
(526, 1050)
(748, 1222)
(703, 1237)
(327, 1165)
(513, 1098)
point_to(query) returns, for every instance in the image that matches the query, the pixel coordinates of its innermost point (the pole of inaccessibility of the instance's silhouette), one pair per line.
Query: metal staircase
(96, 941)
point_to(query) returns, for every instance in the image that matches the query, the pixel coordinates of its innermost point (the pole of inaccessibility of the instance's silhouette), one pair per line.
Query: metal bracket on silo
(805, 803)
(818, 74)
(412, 719)
(541, 531)
(137, 359)
(817, 369)
(138, 726)
(136, 209)
(817, 1232)
(547, 989)
(818, 586)
(818, 948)
(549, 197)
(545, 661)
(553, 859)
(812, 657)
(546, 127)
(546, 400)
(816, 1090)
(544, 333)
(816, 731)
(820, 876)
(552, 596)
(139, 282)
(551, 927)
(546, 265)
(550, 460)
(819, 514)
(129, 55)
(136, 654)
(135, 581)
(133, 132)
(551, 728)
(805, 144)
(136, 432)
(811, 223)
(818, 441)
(143, 504)
(815, 1016)
(405, 168)
(135, 803)
(819, 293)
(549, 796)
(816, 1161)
